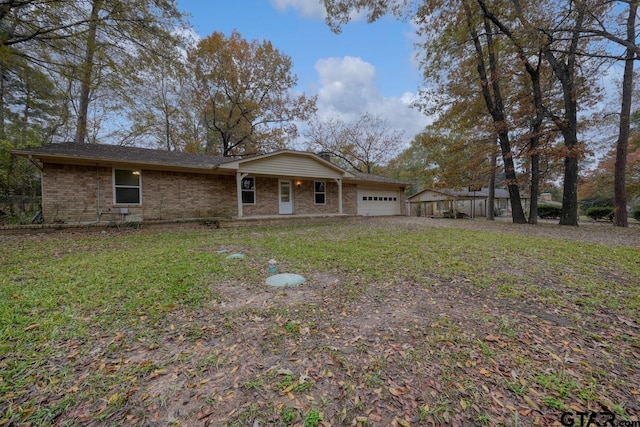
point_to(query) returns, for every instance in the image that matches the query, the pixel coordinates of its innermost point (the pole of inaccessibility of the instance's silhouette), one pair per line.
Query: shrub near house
(600, 212)
(549, 211)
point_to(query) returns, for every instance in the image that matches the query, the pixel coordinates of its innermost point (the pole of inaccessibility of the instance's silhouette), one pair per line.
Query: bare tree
(362, 145)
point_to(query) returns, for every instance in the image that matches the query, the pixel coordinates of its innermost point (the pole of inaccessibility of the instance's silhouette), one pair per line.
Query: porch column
(339, 182)
(239, 177)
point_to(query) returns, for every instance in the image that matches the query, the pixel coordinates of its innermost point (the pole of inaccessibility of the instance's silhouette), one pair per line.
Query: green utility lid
(285, 279)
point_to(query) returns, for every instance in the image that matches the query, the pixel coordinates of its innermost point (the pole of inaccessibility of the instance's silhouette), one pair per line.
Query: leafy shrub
(549, 211)
(600, 212)
(595, 201)
(636, 213)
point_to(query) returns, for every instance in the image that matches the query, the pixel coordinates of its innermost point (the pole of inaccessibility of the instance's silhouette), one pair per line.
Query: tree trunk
(534, 76)
(568, 125)
(86, 72)
(496, 108)
(535, 188)
(3, 94)
(622, 145)
(534, 142)
(492, 188)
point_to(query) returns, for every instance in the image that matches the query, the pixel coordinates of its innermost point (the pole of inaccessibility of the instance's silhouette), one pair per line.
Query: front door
(286, 197)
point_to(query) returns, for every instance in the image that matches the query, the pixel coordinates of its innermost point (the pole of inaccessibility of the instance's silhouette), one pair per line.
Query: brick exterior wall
(168, 195)
(350, 196)
(266, 198)
(267, 193)
(70, 194)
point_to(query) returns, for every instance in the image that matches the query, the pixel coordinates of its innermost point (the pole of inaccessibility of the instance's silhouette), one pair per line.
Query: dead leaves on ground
(471, 363)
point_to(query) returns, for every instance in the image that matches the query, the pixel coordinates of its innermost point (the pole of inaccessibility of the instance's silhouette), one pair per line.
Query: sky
(367, 68)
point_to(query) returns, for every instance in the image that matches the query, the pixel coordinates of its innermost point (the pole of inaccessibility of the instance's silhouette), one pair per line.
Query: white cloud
(306, 8)
(312, 9)
(348, 90)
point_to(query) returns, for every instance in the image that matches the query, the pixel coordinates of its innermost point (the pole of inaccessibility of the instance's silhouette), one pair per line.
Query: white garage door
(374, 202)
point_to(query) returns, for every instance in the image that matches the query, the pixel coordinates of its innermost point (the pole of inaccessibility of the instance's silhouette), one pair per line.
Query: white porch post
(339, 182)
(239, 177)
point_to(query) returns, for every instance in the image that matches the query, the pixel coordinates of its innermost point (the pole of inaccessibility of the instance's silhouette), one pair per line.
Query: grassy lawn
(397, 324)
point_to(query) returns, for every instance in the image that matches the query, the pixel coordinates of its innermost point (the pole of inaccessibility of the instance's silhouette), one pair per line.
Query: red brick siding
(70, 194)
(350, 197)
(267, 193)
(266, 198)
(168, 195)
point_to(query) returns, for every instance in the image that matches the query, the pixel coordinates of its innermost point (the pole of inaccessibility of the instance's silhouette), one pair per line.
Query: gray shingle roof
(361, 176)
(159, 158)
(116, 153)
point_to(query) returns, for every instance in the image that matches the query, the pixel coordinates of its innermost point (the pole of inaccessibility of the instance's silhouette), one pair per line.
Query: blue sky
(366, 68)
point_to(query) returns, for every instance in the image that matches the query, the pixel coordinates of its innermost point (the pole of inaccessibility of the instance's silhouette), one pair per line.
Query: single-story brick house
(99, 182)
(450, 203)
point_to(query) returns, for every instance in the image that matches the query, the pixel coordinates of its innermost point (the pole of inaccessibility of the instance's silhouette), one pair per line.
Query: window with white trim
(127, 188)
(320, 192)
(248, 190)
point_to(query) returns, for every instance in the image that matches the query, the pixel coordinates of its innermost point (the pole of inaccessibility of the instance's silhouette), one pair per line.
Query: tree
(627, 40)
(531, 59)
(445, 160)
(362, 145)
(491, 92)
(619, 182)
(28, 105)
(416, 164)
(464, 43)
(245, 95)
(597, 186)
(473, 54)
(116, 34)
(89, 47)
(165, 112)
(553, 31)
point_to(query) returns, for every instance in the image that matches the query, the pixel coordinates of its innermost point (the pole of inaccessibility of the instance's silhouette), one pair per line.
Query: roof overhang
(90, 160)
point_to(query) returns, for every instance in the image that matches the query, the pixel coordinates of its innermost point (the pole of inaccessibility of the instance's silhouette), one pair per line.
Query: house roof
(92, 154)
(483, 193)
(95, 153)
(378, 179)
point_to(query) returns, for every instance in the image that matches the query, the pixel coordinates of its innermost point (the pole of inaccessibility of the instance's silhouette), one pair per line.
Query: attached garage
(377, 202)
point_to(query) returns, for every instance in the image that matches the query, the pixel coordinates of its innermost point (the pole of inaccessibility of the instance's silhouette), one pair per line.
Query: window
(126, 187)
(320, 192)
(248, 191)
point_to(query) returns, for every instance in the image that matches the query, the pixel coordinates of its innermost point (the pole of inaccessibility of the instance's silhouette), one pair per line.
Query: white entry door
(286, 197)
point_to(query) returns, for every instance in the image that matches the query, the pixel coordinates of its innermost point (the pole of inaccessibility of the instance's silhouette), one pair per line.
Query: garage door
(374, 202)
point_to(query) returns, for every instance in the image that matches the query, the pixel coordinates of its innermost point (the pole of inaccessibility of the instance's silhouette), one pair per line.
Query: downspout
(98, 202)
(339, 182)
